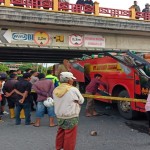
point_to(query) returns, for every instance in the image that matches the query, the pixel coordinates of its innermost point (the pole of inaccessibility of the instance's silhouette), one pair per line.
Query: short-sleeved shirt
(43, 88)
(9, 86)
(92, 87)
(23, 86)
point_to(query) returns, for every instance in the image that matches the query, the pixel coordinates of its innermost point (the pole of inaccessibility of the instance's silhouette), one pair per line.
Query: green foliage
(35, 67)
(50, 68)
(3, 68)
(25, 66)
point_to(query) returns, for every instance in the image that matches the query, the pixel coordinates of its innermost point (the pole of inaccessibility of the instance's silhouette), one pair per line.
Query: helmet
(48, 102)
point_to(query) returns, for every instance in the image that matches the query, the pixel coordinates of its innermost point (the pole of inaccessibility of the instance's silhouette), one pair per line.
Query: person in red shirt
(92, 88)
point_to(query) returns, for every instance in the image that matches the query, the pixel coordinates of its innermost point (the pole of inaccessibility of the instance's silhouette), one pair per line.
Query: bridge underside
(40, 55)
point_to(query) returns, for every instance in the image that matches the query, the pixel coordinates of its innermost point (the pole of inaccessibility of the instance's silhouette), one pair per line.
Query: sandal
(53, 125)
(32, 123)
(36, 125)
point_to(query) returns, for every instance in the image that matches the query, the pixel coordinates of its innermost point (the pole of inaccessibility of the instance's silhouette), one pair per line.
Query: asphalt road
(114, 133)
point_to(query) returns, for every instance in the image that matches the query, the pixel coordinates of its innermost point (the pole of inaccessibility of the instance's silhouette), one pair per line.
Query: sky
(118, 4)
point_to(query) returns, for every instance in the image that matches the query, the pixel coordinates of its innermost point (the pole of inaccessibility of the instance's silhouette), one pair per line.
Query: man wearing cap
(92, 88)
(67, 101)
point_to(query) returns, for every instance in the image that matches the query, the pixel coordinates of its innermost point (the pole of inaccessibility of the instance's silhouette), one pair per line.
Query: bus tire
(124, 107)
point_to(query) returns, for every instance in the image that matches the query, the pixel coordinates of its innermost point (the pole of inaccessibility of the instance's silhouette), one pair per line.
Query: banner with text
(94, 41)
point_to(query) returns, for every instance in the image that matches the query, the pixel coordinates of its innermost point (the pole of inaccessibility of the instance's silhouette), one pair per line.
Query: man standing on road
(67, 100)
(44, 89)
(92, 88)
(33, 79)
(23, 100)
(9, 86)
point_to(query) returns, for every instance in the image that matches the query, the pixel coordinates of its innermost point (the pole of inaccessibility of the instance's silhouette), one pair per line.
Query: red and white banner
(94, 41)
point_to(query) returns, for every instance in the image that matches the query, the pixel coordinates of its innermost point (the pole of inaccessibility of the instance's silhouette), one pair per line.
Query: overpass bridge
(49, 31)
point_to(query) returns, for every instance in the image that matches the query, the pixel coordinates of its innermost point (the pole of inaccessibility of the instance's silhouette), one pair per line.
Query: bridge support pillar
(96, 11)
(55, 5)
(133, 13)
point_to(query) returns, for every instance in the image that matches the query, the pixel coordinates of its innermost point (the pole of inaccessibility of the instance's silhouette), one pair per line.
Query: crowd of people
(28, 91)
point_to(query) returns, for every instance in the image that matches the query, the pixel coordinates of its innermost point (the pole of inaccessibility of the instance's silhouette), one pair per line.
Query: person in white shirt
(67, 101)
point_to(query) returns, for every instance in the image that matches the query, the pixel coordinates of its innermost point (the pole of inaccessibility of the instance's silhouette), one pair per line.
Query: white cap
(67, 75)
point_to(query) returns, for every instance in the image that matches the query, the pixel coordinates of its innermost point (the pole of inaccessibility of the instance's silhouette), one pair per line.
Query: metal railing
(96, 10)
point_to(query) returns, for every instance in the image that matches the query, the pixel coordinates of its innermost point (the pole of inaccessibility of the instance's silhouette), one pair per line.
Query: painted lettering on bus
(105, 67)
(111, 67)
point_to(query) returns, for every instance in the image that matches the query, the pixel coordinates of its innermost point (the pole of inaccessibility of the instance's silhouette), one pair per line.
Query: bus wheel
(124, 107)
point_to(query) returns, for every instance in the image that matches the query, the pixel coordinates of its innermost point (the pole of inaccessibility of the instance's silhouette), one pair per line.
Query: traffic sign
(5, 36)
(76, 40)
(41, 38)
(59, 38)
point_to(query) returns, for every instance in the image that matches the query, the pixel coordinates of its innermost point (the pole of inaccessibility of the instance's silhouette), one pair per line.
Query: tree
(25, 66)
(34, 66)
(3, 68)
